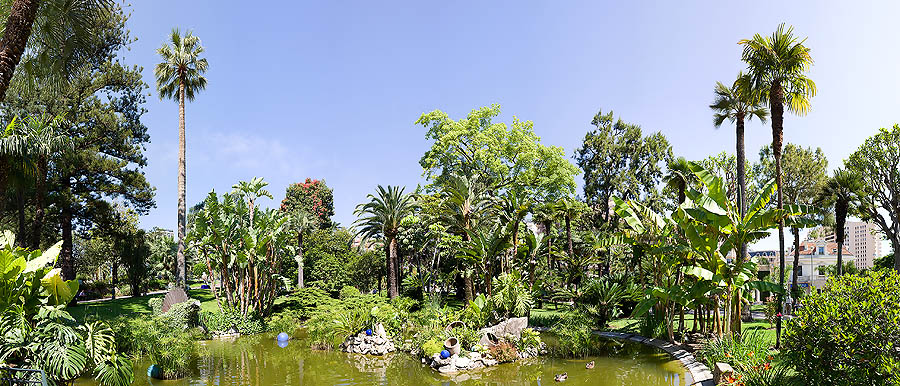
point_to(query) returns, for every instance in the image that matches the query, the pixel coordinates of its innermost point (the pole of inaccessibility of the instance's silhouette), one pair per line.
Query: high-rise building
(863, 239)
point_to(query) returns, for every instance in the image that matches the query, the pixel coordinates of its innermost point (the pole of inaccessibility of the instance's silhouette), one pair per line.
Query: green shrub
(182, 316)
(653, 326)
(600, 299)
(543, 320)
(432, 346)
(174, 350)
(848, 333)
(529, 339)
(155, 305)
(348, 292)
(229, 319)
(286, 321)
(750, 351)
(306, 300)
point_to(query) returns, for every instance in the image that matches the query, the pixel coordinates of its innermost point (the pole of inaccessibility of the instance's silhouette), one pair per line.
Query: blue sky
(331, 89)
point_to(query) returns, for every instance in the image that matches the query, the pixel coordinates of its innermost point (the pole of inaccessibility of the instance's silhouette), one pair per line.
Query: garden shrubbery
(849, 332)
(231, 320)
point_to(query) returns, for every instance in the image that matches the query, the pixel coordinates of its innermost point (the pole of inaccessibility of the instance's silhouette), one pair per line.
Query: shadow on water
(259, 361)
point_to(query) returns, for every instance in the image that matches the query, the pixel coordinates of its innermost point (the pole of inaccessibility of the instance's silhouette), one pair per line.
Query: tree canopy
(504, 156)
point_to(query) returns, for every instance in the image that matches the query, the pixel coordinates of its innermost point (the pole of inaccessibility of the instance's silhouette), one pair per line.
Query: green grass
(111, 309)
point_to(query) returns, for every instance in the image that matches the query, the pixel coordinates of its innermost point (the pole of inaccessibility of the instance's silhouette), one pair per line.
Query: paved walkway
(120, 297)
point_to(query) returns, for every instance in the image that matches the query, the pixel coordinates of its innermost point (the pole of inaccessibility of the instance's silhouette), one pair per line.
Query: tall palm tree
(381, 217)
(777, 67)
(841, 190)
(736, 104)
(180, 76)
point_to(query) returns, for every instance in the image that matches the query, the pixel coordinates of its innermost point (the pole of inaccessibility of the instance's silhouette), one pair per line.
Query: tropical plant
(241, 246)
(381, 217)
(39, 333)
(841, 191)
(483, 250)
(777, 67)
(27, 146)
(180, 76)
(510, 296)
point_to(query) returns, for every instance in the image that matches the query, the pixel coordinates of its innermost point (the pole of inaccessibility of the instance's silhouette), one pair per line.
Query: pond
(259, 361)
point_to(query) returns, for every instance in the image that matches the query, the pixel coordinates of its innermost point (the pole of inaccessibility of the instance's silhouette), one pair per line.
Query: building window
(821, 250)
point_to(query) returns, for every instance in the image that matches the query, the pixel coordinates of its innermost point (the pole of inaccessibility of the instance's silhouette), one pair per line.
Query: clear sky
(331, 89)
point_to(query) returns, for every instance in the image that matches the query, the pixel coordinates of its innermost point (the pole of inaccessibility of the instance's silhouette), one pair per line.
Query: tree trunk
(20, 210)
(840, 211)
(569, 236)
(393, 286)
(66, 265)
(40, 192)
(742, 179)
(15, 38)
(469, 287)
(181, 279)
(115, 276)
(776, 99)
(794, 286)
(300, 259)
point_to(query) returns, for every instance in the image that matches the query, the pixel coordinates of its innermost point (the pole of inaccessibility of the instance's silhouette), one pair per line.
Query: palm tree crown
(181, 65)
(384, 212)
(780, 60)
(737, 102)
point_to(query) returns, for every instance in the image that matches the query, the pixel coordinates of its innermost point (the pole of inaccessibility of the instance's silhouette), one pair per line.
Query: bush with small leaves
(848, 333)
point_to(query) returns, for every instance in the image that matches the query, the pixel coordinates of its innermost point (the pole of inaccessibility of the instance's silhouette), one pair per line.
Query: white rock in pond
(379, 331)
(463, 362)
(447, 369)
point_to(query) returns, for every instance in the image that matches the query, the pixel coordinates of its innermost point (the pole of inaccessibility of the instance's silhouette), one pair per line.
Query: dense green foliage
(37, 332)
(848, 332)
(241, 246)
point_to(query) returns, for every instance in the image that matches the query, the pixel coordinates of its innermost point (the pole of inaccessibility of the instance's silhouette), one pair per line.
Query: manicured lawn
(110, 309)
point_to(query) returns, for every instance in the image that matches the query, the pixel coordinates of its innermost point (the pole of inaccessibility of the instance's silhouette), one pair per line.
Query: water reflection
(260, 361)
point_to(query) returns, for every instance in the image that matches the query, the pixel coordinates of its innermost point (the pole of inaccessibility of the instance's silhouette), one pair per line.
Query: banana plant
(713, 228)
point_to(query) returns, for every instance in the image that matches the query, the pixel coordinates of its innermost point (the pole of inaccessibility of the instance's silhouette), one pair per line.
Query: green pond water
(259, 361)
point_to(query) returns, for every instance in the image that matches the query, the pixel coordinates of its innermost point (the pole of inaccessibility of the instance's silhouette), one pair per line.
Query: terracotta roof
(812, 248)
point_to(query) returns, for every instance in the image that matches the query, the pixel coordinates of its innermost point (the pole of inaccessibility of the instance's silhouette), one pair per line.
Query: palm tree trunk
(841, 219)
(393, 287)
(181, 279)
(794, 288)
(741, 200)
(776, 99)
(15, 38)
(40, 191)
